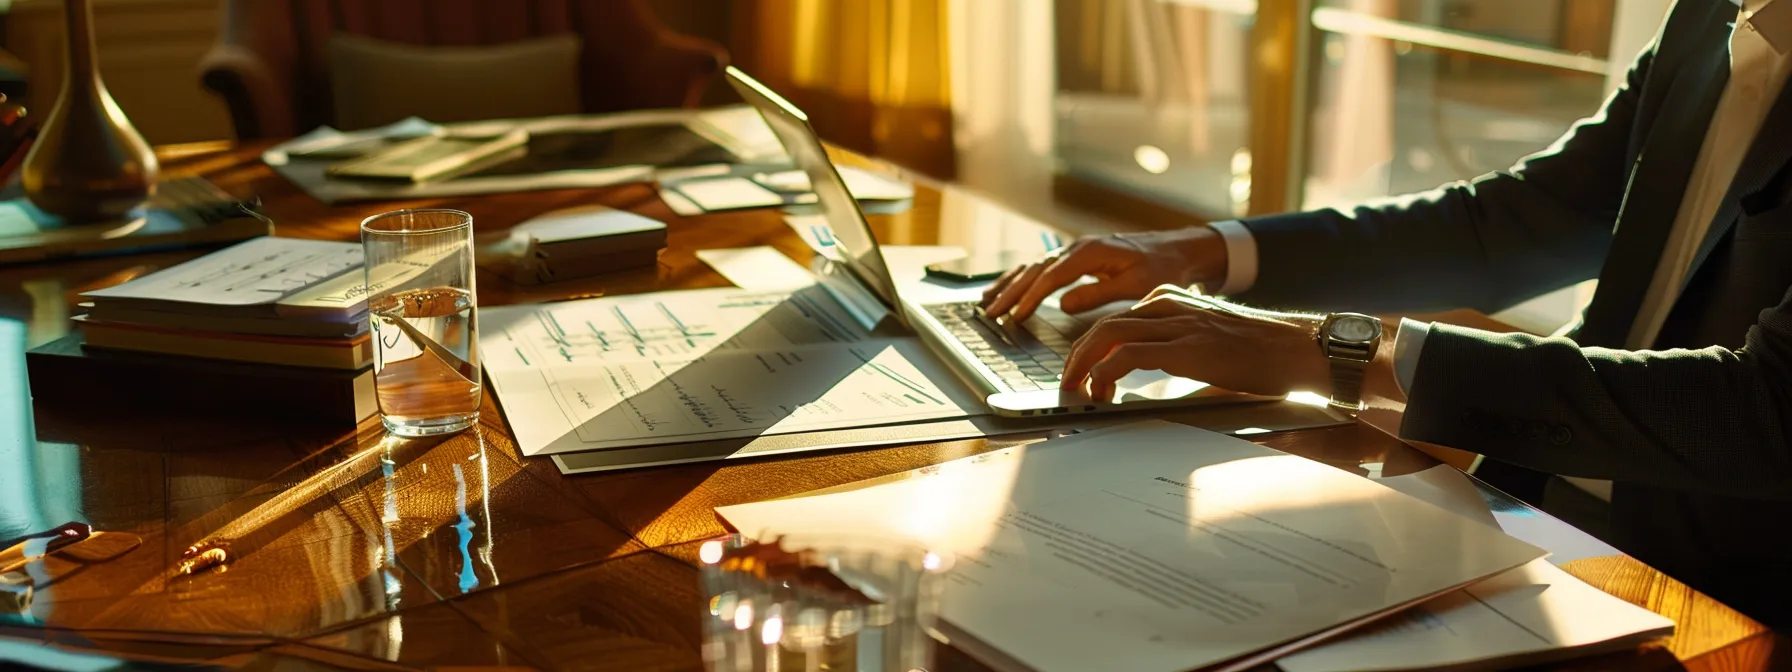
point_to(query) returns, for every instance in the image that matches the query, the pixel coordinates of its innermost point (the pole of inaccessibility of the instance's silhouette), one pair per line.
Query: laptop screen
(851, 232)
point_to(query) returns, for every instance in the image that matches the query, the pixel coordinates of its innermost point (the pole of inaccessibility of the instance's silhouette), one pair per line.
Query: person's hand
(1183, 333)
(1125, 266)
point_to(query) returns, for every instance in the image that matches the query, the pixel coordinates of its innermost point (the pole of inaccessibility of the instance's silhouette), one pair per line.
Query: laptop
(1016, 367)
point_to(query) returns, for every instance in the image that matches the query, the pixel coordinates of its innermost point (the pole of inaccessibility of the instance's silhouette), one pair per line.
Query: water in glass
(426, 364)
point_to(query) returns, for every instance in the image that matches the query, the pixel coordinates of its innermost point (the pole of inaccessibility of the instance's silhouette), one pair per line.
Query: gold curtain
(871, 74)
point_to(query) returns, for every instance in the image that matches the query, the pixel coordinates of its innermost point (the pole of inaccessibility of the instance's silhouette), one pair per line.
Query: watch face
(1353, 329)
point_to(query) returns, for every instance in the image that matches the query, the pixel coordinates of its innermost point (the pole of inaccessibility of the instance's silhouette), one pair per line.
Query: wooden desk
(369, 552)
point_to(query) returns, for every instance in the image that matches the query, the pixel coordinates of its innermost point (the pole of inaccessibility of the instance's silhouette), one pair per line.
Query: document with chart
(682, 366)
(1162, 547)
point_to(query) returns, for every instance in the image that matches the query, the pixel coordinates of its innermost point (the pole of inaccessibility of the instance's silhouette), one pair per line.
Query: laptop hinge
(852, 295)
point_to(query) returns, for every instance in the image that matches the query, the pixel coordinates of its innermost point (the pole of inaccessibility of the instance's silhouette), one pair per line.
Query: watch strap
(1347, 384)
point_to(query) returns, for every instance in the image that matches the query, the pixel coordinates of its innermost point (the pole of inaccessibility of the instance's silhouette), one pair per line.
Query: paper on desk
(1446, 488)
(346, 294)
(728, 193)
(761, 269)
(863, 184)
(680, 205)
(702, 364)
(309, 175)
(1527, 616)
(326, 140)
(742, 131)
(1160, 546)
(582, 223)
(256, 272)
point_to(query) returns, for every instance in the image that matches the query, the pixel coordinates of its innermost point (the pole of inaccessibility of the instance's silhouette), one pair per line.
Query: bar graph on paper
(695, 365)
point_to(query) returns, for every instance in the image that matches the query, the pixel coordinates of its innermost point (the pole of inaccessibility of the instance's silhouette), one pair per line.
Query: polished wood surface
(355, 549)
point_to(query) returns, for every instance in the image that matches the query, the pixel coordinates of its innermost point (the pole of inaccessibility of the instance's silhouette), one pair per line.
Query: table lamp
(88, 164)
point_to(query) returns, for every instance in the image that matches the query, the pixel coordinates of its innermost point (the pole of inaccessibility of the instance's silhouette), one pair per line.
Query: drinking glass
(419, 274)
(820, 602)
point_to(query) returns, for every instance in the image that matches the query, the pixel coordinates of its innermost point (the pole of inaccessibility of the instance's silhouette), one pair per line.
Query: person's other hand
(1183, 333)
(1125, 266)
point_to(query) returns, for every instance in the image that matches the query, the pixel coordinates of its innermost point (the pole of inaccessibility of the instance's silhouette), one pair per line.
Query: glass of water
(800, 603)
(419, 271)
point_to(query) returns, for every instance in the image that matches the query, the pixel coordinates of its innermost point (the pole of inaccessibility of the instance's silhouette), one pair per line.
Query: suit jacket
(1696, 433)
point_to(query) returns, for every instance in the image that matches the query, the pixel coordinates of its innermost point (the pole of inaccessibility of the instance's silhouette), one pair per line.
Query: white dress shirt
(1760, 59)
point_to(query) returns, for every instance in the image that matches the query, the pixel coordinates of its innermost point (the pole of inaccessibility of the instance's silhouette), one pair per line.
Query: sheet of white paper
(681, 173)
(255, 272)
(348, 292)
(728, 193)
(704, 364)
(1162, 547)
(327, 139)
(1446, 488)
(761, 269)
(309, 175)
(1449, 488)
(863, 184)
(1530, 615)
(1527, 612)
(680, 205)
(580, 223)
(1566, 543)
(742, 131)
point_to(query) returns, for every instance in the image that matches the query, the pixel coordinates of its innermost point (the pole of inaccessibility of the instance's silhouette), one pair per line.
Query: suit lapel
(1657, 185)
(1767, 156)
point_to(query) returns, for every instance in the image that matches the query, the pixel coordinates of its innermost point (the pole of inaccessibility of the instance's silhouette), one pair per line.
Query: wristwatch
(1349, 340)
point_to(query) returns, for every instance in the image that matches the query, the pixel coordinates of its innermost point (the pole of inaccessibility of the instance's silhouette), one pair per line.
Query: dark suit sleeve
(1487, 244)
(1712, 420)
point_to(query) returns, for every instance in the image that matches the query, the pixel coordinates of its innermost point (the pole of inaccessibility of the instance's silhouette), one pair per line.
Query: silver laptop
(1016, 367)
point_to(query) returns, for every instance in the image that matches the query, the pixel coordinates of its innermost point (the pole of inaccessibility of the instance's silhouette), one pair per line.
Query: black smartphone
(974, 268)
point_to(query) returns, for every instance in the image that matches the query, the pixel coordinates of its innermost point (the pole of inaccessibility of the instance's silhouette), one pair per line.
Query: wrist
(1313, 369)
(1208, 261)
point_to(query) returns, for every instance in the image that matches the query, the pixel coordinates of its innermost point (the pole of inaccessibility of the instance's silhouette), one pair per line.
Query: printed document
(1156, 547)
(671, 367)
(1528, 616)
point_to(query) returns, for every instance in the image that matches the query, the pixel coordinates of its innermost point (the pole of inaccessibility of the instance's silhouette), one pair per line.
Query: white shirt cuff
(1241, 257)
(1408, 341)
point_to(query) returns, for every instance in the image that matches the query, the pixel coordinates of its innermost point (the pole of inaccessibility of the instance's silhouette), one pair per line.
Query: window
(1406, 95)
(1153, 99)
(1174, 101)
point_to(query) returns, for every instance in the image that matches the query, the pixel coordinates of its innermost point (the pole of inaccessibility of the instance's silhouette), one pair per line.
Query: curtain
(871, 74)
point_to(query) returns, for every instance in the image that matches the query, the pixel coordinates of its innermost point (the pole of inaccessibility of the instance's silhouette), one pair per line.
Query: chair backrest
(617, 34)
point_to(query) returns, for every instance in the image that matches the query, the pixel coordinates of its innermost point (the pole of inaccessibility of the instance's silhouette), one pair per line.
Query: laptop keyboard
(1030, 357)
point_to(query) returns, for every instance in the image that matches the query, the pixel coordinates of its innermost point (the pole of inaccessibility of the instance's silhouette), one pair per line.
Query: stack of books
(217, 330)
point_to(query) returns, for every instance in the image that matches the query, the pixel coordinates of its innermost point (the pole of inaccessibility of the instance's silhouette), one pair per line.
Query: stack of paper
(574, 243)
(1156, 546)
(268, 300)
(691, 192)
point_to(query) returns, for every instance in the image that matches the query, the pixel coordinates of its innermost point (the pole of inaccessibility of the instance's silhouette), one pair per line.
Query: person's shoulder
(1692, 27)
(1700, 18)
